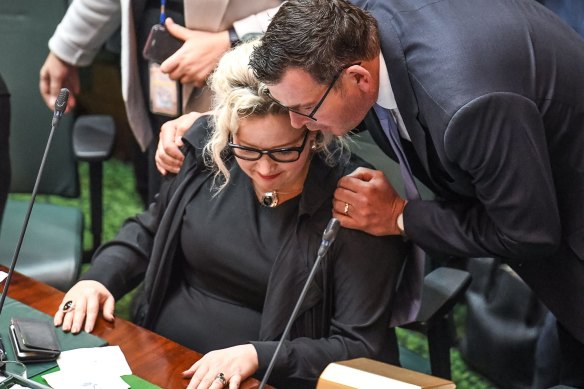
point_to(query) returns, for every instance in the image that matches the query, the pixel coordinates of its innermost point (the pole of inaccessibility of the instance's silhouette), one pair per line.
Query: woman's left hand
(235, 363)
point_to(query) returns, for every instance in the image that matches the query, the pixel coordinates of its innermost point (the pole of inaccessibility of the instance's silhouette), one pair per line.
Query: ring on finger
(221, 379)
(346, 210)
(69, 306)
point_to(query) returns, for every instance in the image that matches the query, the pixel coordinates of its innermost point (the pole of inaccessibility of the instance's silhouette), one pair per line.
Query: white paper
(70, 380)
(91, 368)
(109, 359)
(3, 275)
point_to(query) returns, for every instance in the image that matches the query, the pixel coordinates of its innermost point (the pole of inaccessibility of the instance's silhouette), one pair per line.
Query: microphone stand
(328, 237)
(60, 105)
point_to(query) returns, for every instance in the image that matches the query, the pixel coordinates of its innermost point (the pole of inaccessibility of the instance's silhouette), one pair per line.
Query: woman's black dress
(229, 243)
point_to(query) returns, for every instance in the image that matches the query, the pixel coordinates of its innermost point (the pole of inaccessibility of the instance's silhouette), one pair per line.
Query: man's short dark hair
(318, 36)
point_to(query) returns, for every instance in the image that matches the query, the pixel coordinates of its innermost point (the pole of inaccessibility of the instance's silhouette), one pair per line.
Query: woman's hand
(235, 363)
(81, 304)
(198, 56)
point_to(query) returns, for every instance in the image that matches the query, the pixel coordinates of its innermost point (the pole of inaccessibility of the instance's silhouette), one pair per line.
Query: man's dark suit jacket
(492, 95)
(570, 11)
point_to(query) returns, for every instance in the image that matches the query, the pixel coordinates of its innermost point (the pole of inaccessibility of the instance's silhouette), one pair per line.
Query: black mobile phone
(160, 44)
(34, 340)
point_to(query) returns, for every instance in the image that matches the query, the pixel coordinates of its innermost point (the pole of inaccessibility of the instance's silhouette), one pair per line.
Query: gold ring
(346, 211)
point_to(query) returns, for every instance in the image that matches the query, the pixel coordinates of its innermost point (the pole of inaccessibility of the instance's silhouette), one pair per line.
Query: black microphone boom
(328, 237)
(60, 106)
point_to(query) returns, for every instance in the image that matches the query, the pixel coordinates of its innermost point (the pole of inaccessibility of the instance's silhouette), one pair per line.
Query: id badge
(164, 92)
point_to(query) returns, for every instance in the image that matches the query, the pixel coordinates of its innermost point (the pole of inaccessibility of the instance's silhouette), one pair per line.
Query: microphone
(328, 237)
(60, 106)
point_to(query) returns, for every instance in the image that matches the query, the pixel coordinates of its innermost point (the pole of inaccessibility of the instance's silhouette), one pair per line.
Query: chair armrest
(93, 137)
(443, 288)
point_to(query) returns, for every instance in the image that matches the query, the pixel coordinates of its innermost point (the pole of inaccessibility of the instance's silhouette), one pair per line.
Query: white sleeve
(84, 29)
(255, 23)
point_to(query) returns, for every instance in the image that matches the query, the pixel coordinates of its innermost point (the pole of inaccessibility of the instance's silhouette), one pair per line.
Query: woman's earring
(313, 146)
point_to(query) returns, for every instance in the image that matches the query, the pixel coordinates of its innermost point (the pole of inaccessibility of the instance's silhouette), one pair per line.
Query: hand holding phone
(160, 44)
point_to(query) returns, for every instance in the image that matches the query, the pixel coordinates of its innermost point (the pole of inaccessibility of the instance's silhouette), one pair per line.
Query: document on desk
(96, 368)
(68, 341)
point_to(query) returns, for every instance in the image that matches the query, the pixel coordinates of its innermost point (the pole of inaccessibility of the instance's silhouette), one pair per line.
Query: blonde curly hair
(238, 94)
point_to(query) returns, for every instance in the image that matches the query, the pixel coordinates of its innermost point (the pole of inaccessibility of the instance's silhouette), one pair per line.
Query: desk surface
(150, 356)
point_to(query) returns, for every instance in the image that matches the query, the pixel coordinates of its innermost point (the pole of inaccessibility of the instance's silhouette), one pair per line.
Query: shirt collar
(385, 98)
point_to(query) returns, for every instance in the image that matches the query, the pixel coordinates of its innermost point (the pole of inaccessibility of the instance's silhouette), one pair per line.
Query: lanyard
(162, 11)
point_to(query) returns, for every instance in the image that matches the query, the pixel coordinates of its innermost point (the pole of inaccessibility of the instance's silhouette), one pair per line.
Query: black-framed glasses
(317, 106)
(280, 154)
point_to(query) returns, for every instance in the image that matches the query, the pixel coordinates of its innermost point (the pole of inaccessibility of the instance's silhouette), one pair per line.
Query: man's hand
(365, 200)
(54, 75)
(81, 304)
(197, 57)
(168, 157)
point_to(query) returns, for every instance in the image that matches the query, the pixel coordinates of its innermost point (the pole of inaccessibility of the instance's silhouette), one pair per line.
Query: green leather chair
(52, 251)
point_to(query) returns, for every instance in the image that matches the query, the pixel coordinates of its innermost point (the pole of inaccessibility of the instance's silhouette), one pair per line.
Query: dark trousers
(559, 358)
(147, 176)
(4, 145)
(547, 355)
(572, 362)
(558, 284)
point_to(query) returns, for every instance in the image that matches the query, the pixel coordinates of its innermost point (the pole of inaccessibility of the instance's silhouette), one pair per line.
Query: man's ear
(361, 77)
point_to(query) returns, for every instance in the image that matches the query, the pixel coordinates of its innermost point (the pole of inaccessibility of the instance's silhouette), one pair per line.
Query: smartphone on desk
(160, 44)
(34, 340)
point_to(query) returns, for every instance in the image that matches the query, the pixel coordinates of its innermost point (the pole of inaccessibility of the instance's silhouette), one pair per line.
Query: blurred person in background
(212, 27)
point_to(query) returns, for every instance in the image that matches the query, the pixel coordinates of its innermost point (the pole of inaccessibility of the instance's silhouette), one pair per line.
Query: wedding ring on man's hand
(346, 211)
(68, 306)
(221, 378)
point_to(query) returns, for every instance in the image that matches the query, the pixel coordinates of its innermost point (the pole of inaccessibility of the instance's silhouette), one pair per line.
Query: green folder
(68, 341)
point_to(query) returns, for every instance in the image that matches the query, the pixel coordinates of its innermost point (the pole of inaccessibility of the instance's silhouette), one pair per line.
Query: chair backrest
(25, 27)
(52, 249)
(4, 149)
(504, 320)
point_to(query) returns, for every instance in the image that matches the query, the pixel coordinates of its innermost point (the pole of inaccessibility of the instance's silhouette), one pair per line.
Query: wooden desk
(150, 356)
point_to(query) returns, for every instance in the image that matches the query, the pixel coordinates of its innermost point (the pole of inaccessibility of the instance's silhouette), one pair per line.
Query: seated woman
(226, 248)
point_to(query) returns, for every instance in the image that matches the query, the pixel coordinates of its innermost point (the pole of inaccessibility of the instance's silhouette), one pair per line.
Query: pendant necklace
(271, 199)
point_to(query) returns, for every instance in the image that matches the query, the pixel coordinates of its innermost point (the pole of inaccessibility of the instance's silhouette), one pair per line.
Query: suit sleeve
(121, 263)
(365, 272)
(499, 141)
(256, 23)
(83, 30)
